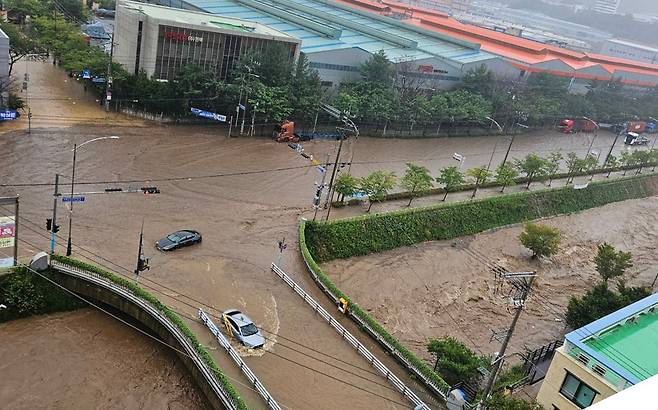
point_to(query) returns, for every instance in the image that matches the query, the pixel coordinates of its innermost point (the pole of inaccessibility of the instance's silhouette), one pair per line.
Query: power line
(599, 342)
(214, 309)
(269, 352)
(124, 321)
(242, 173)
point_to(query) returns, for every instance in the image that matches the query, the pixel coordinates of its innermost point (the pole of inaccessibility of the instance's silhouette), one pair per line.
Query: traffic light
(55, 228)
(49, 224)
(143, 264)
(150, 190)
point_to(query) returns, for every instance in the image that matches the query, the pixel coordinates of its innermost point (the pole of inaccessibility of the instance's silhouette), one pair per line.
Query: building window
(578, 392)
(140, 26)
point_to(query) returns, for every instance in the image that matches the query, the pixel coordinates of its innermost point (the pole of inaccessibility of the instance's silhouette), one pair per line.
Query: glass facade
(218, 52)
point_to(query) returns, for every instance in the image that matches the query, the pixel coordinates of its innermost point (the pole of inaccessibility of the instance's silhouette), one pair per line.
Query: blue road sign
(6, 115)
(208, 114)
(86, 74)
(242, 107)
(73, 199)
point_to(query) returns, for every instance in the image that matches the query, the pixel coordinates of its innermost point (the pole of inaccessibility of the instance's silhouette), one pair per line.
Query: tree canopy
(542, 240)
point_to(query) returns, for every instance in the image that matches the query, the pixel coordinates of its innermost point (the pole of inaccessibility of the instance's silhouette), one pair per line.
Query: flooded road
(86, 359)
(243, 195)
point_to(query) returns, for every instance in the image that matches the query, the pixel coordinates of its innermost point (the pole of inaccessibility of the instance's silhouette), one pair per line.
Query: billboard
(7, 241)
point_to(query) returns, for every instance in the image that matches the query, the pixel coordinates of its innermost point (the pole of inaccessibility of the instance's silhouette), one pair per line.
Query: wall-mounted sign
(423, 68)
(182, 36)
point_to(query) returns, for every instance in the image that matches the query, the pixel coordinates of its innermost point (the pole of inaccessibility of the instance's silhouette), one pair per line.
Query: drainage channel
(360, 348)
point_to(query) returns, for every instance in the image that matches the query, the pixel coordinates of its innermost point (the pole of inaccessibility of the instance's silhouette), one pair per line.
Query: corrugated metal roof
(374, 36)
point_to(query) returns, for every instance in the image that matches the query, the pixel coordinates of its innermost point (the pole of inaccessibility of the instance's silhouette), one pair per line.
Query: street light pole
(68, 242)
(75, 150)
(53, 228)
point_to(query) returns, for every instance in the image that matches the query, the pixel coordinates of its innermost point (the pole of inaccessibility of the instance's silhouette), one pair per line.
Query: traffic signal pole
(139, 266)
(54, 227)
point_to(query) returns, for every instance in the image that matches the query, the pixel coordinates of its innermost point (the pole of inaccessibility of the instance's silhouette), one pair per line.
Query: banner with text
(7, 241)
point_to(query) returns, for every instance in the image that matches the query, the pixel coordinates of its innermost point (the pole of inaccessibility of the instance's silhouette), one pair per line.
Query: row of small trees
(418, 181)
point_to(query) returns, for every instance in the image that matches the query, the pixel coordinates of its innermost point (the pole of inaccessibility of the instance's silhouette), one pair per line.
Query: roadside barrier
(223, 341)
(360, 348)
(180, 337)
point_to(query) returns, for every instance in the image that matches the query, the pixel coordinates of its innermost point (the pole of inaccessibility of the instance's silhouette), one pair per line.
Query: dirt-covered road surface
(85, 359)
(243, 194)
(447, 288)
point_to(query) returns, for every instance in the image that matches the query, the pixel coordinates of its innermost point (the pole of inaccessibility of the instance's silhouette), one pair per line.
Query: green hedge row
(492, 184)
(366, 234)
(419, 364)
(171, 315)
(25, 294)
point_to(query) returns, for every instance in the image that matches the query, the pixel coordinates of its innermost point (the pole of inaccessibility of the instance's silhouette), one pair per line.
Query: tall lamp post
(496, 144)
(75, 150)
(596, 133)
(511, 142)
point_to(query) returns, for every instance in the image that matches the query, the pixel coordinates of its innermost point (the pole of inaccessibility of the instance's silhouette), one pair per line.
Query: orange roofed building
(527, 55)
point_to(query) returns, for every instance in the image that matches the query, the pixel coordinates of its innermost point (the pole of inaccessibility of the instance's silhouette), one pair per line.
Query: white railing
(360, 348)
(182, 339)
(223, 341)
(438, 390)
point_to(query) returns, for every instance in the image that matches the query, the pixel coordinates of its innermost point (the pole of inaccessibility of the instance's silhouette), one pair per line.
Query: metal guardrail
(441, 392)
(223, 341)
(360, 348)
(182, 339)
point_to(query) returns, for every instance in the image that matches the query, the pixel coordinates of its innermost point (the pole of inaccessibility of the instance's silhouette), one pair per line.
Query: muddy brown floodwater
(243, 194)
(417, 291)
(86, 359)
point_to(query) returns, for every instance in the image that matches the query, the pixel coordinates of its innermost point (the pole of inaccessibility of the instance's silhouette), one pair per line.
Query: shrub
(376, 233)
(25, 293)
(542, 240)
(601, 301)
(455, 362)
(611, 263)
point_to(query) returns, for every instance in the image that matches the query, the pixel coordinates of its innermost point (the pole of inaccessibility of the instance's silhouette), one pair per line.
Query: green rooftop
(631, 345)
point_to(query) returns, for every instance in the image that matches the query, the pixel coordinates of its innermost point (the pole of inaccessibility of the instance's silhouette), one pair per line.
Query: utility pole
(54, 228)
(108, 80)
(318, 194)
(522, 281)
(333, 175)
(607, 157)
(27, 98)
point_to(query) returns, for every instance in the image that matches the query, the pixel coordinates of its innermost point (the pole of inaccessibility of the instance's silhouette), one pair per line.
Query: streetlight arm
(113, 137)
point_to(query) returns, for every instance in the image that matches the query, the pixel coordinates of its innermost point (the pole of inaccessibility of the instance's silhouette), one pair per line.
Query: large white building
(607, 6)
(630, 51)
(161, 40)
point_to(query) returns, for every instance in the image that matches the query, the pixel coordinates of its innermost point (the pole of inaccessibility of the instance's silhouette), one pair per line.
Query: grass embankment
(366, 234)
(420, 365)
(170, 314)
(379, 232)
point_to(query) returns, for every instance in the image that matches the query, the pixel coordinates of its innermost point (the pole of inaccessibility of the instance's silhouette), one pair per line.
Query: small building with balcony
(603, 358)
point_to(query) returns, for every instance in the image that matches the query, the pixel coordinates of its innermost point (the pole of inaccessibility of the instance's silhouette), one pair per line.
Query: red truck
(569, 126)
(636, 126)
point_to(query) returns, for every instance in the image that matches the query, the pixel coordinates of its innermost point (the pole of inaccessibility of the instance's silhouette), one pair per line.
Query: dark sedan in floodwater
(178, 239)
